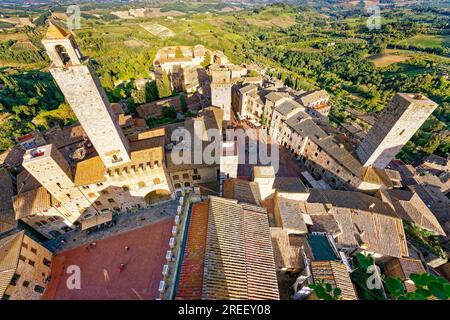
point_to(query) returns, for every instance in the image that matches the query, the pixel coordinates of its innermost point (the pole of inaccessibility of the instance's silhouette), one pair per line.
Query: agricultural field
(428, 41)
(305, 47)
(382, 60)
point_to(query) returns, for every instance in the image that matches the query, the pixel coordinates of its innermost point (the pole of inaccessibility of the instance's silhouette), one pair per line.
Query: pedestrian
(87, 248)
(127, 248)
(121, 267)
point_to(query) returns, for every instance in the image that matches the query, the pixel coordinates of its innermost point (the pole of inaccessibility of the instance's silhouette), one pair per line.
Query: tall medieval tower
(48, 166)
(403, 116)
(221, 90)
(76, 77)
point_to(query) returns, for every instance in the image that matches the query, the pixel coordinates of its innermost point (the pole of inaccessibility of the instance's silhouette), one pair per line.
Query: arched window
(62, 53)
(177, 186)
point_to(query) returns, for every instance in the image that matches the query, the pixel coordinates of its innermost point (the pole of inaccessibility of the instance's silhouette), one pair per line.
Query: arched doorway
(157, 196)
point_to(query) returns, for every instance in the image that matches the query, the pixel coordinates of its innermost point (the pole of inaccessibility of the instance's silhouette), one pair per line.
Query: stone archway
(157, 196)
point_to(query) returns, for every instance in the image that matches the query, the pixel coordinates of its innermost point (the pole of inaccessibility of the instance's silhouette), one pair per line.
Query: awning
(96, 220)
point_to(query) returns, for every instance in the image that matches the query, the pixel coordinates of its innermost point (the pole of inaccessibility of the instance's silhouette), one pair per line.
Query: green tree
(183, 102)
(427, 286)
(163, 85)
(325, 291)
(138, 96)
(178, 53)
(206, 63)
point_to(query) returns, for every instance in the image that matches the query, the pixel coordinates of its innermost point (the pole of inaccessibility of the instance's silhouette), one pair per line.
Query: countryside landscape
(225, 150)
(362, 68)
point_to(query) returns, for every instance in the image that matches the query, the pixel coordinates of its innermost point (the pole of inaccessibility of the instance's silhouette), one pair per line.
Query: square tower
(221, 90)
(404, 115)
(76, 77)
(48, 166)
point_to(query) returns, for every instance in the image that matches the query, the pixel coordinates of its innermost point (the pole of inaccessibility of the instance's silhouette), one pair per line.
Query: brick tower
(76, 77)
(403, 116)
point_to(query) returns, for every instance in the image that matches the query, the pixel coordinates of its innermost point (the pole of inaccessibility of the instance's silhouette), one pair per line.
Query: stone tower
(48, 166)
(221, 90)
(403, 116)
(76, 77)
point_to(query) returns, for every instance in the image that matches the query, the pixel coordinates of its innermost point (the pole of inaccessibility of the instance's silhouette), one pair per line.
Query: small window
(39, 289)
(14, 279)
(46, 262)
(34, 250)
(25, 245)
(125, 188)
(104, 191)
(177, 186)
(31, 263)
(110, 200)
(195, 171)
(98, 203)
(21, 257)
(26, 284)
(176, 177)
(99, 184)
(185, 176)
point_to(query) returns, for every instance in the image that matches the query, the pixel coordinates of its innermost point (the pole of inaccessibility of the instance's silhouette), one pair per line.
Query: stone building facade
(25, 269)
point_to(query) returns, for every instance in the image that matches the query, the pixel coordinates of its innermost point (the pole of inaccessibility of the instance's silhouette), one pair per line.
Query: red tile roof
(191, 277)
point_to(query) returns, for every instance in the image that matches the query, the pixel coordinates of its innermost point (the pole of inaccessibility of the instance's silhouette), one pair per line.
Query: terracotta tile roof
(191, 276)
(239, 261)
(56, 32)
(290, 215)
(336, 274)
(403, 268)
(313, 96)
(65, 136)
(241, 190)
(287, 249)
(410, 207)
(26, 182)
(7, 218)
(12, 157)
(9, 256)
(32, 202)
(287, 107)
(365, 221)
(89, 171)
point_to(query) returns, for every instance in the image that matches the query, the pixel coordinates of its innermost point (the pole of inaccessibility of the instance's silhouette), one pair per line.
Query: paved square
(101, 275)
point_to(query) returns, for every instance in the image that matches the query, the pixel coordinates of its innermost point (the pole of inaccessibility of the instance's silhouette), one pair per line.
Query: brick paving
(123, 222)
(101, 275)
